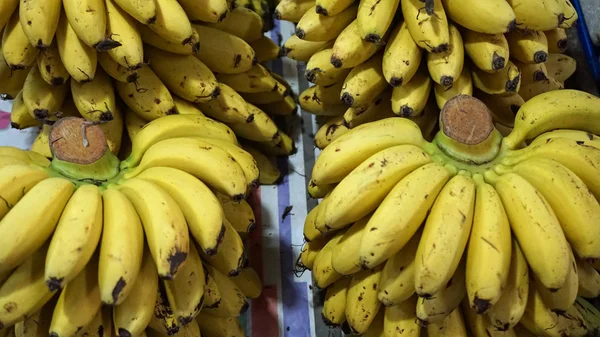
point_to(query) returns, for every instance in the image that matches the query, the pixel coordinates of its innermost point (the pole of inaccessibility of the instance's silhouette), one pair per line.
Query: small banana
(113, 132)
(212, 295)
(402, 317)
(323, 273)
(207, 10)
(265, 49)
(430, 32)
(269, 173)
(453, 325)
(409, 100)
(302, 50)
(362, 304)
(315, 27)
(42, 99)
(19, 115)
(233, 301)
(36, 324)
(481, 326)
(18, 52)
(211, 325)
(229, 258)
(122, 28)
(184, 107)
(133, 123)
(332, 7)
(364, 83)
(282, 146)
(320, 71)
(51, 67)
(570, 13)
(528, 46)
(334, 305)
(539, 319)
(115, 70)
(309, 253)
(11, 81)
(41, 144)
(504, 82)
(379, 109)
(375, 18)
(435, 309)
(446, 66)
(489, 52)
(241, 22)
(239, 214)
(153, 39)
(560, 67)
(589, 279)
(310, 102)
(401, 57)
(538, 15)
(558, 41)
(163, 319)
(88, 20)
(397, 281)
(489, 17)
(462, 86)
(563, 299)
(350, 50)
(249, 282)
(532, 89)
(39, 20)
(330, 131)
(7, 8)
(172, 23)
(344, 258)
(261, 129)
(223, 52)
(257, 79)
(277, 94)
(292, 10)
(144, 11)
(95, 100)
(79, 59)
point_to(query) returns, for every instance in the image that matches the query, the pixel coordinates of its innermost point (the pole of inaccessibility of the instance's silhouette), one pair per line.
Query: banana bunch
(148, 245)
(472, 229)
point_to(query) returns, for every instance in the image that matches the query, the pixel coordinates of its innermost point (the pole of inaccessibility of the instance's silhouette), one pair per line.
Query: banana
(223, 52)
(409, 100)
(285, 107)
(39, 20)
(330, 131)
(530, 90)
(265, 49)
(19, 115)
(7, 8)
(310, 230)
(453, 325)
(363, 190)
(350, 50)
(528, 46)
(269, 173)
(402, 319)
(538, 15)
(577, 135)
(249, 282)
(257, 79)
(212, 295)
(570, 14)
(560, 301)
(362, 304)
(379, 109)
(344, 259)
(163, 320)
(353, 148)
(320, 71)
(172, 23)
(309, 253)
(27, 157)
(539, 319)
(364, 83)
(489, 17)
(463, 85)
(37, 324)
(282, 146)
(481, 326)
(397, 280)
(115, 70)
(95, 100)
(51, 67)
(376, 327)
(239, 214)
(435, 309)
(100, 322)
(168, 244)
(230, 257)
(397, 230)
(447, 66)
(302, 50)
(122, 28)
(323, 273)
(401, 57)
(241, 22)
(186, 292)
(310, 102)
(489, 250)
(375, 18)
(292, 10)
(560, 67)
(233, 301)
(117, 276)
(589, 279)
(151, 38)
(42, 99)
(24, 292)
(575, 322)
(334, 305)
(430, 31)
(18, 52)
(489, 52)
(131, 316)
(143, 11)
(558, 41)
(206, 10)
(184, 107)
(505, 82)
(315, 27)
(113, 132)
(525, 205)
(261, 129)
(219, 326)
(41, 144)
(133, 123)
(184, 75)
(277, 94)
(243, 158)
(332, 7)
(79, 59)
(11, 81)
(78, 303)
(88, 20)
(533, 72)
(37, 214)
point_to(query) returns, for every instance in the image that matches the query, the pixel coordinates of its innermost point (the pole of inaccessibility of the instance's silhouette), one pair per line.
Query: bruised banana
(330, 131)
(430, 32)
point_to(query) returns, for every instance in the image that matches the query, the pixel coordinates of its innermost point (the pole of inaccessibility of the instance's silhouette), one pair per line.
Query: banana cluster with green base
(471, 231)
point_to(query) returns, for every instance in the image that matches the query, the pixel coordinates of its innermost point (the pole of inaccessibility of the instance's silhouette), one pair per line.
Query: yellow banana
(261, 129)
(42, 99)
(504, 82)
(503, 108)
(310, 102)
(375, 18)
(569, 13)
(281, 146)
(18, 52)
(230, 257)
(323, 273)
(589, 279)
(212, 295)
(172, 23)
(257, 79)
(447, 66)
(113, 132)
(400, 215)
(153, 39)
(310, 230)
(39, 20)
(538, 15)
(320, 71)
(278, 94)
(269, 173)
(163, 320)
(330, 131)
(530, 90)
(315, 27)
(241, 22)
(560, 67)
(362, 304)
(397, 281)
(186, 107)
(577, 135)
(334, 305)
(409, 100)
(332, 7)
(131, 316)
(430, 31)
(79, 59)
(435, 309)
(233, 302)
(560, 301)
(239, 214)
(133, 123)
(223, 52)
(309, 253)
(401, 318)
(350, 50)
(376, 327)
(381, 108)
(37, 324)
(249, 282)
(6, 10)
(302, 50)
(243, 158)
(489, 52)
(88, 20)
(41, 144)
(95, 100)
(528, 46)
(463, 85)
(557, 40)
(364, 83)
(168, 244)
(36, 214)
(102, 320)
(265, 49)
(115, 70)
(575, 322)
(122, 28)
(489, 250)
(219, 326)
(292, 10)
(401, 57)
(51, 67)
(481, 326)
(19, 115)
(452, 326)
(489, 17)
(539, 319)
(11, 81)
(144, 11)
(344, 259)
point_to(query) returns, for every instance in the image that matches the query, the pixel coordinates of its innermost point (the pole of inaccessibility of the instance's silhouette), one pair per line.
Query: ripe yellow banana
(133, 123)
(381, 108)
(122, 28)
(113, 132)
(131, 316)
(504, 82)
(310, 102)
(320, 71)
(409, 100)
(446, 66)
(186, 107)
(560, 67)
(302, 50)
(376, 327)
(7, 8)
(88, 19)
(151, 38)
(401, 57)
(444, 302)
(211, 325)
(528, 46)
(230, 257)
(363, 190)
(269, 173)
(265, 49)
(353, 148)
(332, 7)
(172, 23)
(103, 316)
(241, 22)
(78, 303)
(577, 135)
(589, 279)
(402, 318)
(315, 27)
(24, 292)
(39, 20)
(362, 304)
(350, 50)
(292, 10)
(206, 10)
(212, 295)
(364, 83)
(309, 253)
(323, 273)
(532, 89)
(233, 301)
(261, 129)
(19, 115)
(36, 214)
(257, 79)
(223, 52)
(163, 320)
(41, 144)
(489, 250)
(532, 72)
(489, 52)
(557, 40)
(144, 11)
(452, 326)
(18, 52)
(375, 18)
(330, 131)
(430, 32)
(400, 215)
(575, 322)
(243, 158)
(11, 81)
(239, 214)
(489, 17)
(277, 94)
(397, 281)
(569, 13)
(538, 15)
(463, 85)
(79, 59)
(42, 99)
(51, 67)
(344, 259)
(95, 100)
(334, 305)
(539, 319)
(168, 244)
(36, 324)
(525, 205)
(481, 326)
(560, 301)
(115, 70)
(249, 282)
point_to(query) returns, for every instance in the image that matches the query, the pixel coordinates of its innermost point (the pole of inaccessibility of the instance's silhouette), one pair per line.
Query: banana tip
(498, 62)
(512, 85)
(320, 10)
(446, 81)
(15, 125)
(300, 33)
(480, 306)
(347, 99)
(396, 81)
(124, 333)
(373, 38)
(540, 56)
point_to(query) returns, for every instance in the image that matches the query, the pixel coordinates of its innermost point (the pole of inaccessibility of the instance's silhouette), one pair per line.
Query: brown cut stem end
(68, 139)
(466, 120)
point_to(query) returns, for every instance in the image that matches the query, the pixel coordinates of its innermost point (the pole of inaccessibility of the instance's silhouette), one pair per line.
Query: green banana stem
(97, 173)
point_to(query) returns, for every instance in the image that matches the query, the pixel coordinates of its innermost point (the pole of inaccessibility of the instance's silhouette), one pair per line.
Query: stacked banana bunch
(149, 245)
(428, 51)
(472, 230)
(114, 60)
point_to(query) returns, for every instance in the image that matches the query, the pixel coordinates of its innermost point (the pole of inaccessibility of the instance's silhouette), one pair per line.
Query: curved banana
(186, 107)
(563, 299)
(233, 302)
(364, 83)
(122, 236)
(589, 279)
(504, 82)
(447, 66)
(163, 319)
(322, 271)
(36, 324)
(452, 326)
(19, 115)
(133, 123)
(557, 40)
(332, 7)
(241, 22)
(249, 282)
(42, 99)
(463, 85)
(528, 46)
(402, 317)
(7, 8)
(397, 281)
(489, 17)
(257, 79)
(261, 129)
(211, 325)
(381, 108)
(153, 39)
(309, 253)
(409, 100)
(122, 28)
(115, 70)
(445, 301)
(344, 259)
(277, 94)
(577, 135)
(315, 27)
(310, 102)
(349, 48)
(51, 67)
(39, 20)
(292, 10)
(481, 326)
(285, 107)
(11, 81)
(430, 32)
(18, 52)
(302, 50)
(239, 214)
(230, 257)
(525, 205)
(88, 19)
(503, 108)
(334, 305)
(265, 49)
(560, 67)
(320, 71)
(538, 15)
(168, 244)
(269, 173)
(172, 23)
(243, 158)
(362, 304)
(223, 52)
(375, 18)
(401, 57)
(401, 214)
(95, 100)
(144, 11)
(570, 14)
(41, 144)
(330, 131)
(36, 214)
(489, 52)
(539, 319)
(228, 107)
(212, 295)
(79, 59)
